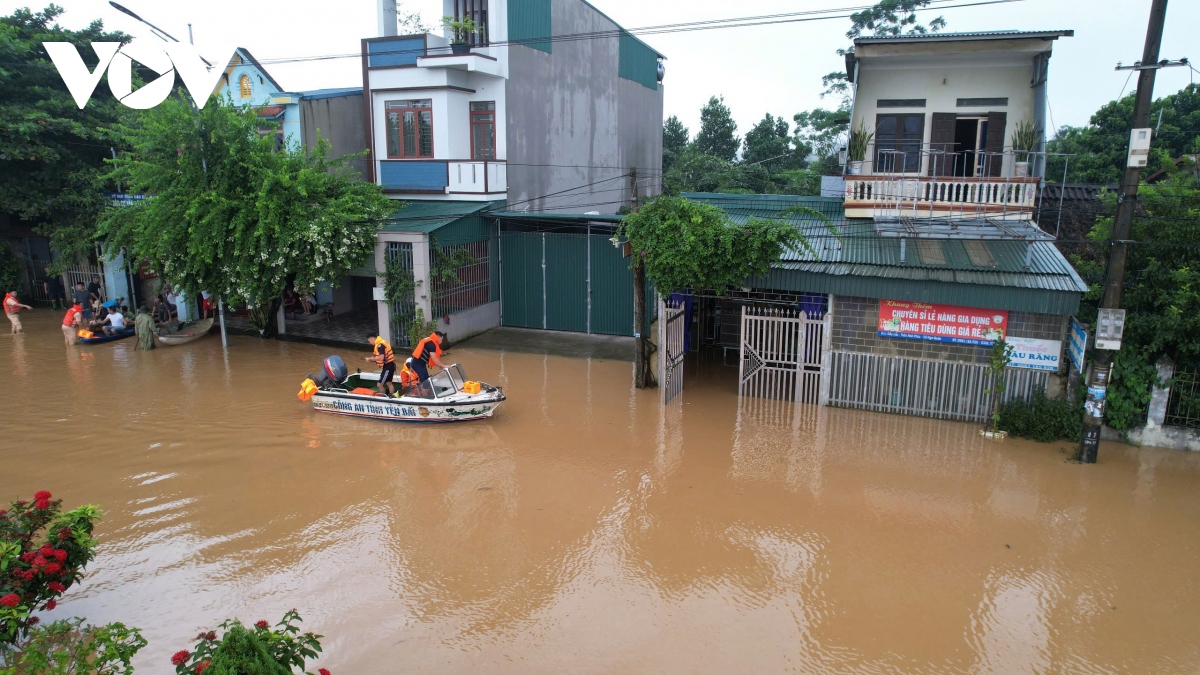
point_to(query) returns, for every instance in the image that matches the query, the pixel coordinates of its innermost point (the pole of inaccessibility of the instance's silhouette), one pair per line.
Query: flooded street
(587, 529)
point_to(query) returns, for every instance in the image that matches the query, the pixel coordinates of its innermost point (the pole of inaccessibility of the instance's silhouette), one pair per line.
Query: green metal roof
(429, 216)
(851, 259)
(565, 217)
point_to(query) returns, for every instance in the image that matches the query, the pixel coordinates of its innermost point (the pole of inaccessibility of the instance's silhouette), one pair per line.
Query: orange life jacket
(408, 377)
(69, 319)
(10, 308)
(421, 352)
(388, 356)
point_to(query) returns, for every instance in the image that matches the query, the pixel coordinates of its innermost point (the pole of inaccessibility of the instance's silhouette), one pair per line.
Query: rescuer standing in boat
(428, 351)
(382, 355)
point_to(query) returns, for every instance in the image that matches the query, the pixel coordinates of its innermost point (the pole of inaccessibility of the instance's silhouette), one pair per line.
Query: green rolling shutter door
(562, 302)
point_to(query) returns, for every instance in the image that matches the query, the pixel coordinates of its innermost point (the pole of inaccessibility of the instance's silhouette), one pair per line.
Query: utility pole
(640, 365)
(1100, 374)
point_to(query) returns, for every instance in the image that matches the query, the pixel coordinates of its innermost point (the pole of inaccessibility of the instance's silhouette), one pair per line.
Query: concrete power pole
(1098, 378)
(641, 368)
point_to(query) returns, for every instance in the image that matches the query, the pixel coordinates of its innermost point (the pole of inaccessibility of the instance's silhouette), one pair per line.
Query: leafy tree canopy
(717, 136)
(685, 244)
(231, 214)
(51, 151)
(1098, 150)
(770, 143)
(675, 141)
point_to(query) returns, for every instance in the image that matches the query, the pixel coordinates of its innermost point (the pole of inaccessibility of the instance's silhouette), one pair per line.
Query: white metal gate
(671, 328)
(781, 352)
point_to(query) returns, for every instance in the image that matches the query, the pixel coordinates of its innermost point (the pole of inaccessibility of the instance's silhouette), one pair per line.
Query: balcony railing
(441, 176)
(919, 181)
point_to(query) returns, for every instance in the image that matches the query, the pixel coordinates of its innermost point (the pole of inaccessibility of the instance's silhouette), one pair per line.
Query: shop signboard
(941, 323)
(1035, 354)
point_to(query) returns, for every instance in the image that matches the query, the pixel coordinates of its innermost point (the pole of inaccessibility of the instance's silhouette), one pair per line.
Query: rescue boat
(447, 396)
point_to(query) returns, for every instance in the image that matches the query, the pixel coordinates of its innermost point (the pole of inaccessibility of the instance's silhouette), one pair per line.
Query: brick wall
(856, 322)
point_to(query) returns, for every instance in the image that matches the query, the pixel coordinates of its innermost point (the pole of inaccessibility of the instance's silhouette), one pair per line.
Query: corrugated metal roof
(329, 93)
(1073, 192)
(428, 216)
(562, 217)
(854, 250)
(966, 36)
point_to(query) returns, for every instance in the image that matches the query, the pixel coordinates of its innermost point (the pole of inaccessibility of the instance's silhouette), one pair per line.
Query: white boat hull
(406, 409)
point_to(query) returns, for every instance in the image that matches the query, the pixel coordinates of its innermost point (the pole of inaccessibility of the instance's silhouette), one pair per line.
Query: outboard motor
(333, 371)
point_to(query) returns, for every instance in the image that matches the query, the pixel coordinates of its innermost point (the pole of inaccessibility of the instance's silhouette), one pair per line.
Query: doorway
(970, 139)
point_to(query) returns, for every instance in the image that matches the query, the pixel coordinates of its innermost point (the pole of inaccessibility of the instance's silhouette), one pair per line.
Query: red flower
(51, 605)
(10, 600)
(322, 671)
(41, 494)
(210, 635)
(180, 657)
(39, 561)
(41, 504)
(262, 623)
(56, 587)
(202, 666)
(32, 621)
(64, 533)
(60, 555)
(51, 568)
(3, 514)
(28, 556)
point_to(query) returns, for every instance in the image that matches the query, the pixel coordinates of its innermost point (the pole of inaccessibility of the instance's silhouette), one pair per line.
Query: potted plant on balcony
(856, 148)
(462, 29)
(1025, 139)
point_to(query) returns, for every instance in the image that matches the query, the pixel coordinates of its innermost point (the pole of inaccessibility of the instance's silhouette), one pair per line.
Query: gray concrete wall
(856, 324)
(571, 108)
(340, 121)
(471, 322)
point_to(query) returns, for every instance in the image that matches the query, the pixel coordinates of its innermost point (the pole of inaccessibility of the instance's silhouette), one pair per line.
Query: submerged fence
(944, 390)
(1183, 405)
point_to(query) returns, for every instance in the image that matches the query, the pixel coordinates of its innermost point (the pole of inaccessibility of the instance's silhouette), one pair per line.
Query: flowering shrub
(42, 554)
(70, 647)
(258, 649)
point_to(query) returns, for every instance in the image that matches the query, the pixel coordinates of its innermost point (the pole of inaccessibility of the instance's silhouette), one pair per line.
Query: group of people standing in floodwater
(90, 311)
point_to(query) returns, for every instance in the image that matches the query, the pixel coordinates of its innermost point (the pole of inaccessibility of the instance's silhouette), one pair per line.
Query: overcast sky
(761, 69)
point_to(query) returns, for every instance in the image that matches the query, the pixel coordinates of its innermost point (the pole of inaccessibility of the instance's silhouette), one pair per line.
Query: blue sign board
(1077, 344)
(123, 199)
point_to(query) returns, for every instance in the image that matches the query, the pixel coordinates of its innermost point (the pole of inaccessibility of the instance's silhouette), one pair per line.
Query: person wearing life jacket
(381, 354)
(428, 350)
(408, 377)
(12, 309)
(71, 321)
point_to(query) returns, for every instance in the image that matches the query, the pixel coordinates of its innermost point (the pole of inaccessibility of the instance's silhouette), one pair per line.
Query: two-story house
(943, 113)
(549, 108)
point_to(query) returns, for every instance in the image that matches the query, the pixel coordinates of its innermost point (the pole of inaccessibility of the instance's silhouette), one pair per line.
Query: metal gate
(781, 352)
(671, 328)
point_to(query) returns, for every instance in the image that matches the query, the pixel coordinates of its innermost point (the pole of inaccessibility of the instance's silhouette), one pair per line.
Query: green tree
(675, 141)
(686, 244)
(718, 132)
(51, 151)
(10, 269)
(231, 214)
(770, 143)
(1098, 150)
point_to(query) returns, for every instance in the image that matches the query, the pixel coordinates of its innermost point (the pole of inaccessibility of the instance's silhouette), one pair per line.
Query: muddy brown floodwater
(586, 529)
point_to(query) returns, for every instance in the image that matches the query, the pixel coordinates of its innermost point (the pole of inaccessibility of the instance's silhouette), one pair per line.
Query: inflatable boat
(447, 396)
(88, 337)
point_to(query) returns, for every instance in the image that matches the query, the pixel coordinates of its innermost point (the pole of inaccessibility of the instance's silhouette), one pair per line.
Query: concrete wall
(471, 322)
(569, 107)
(856, 324)
(339, 121)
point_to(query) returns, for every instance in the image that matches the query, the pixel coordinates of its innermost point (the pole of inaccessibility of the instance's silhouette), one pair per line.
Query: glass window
(483, 130)
(898, 141)
(409, 127)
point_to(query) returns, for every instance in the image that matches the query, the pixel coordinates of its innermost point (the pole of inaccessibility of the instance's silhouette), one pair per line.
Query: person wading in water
(428, 351)
(12, 310)
(382, 355)
(143, 325)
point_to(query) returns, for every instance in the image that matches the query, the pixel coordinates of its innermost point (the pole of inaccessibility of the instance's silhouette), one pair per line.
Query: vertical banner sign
(1077, 344)
(941, 323)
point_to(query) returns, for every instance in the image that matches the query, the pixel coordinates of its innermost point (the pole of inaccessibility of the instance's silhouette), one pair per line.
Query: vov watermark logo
(118, 62)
